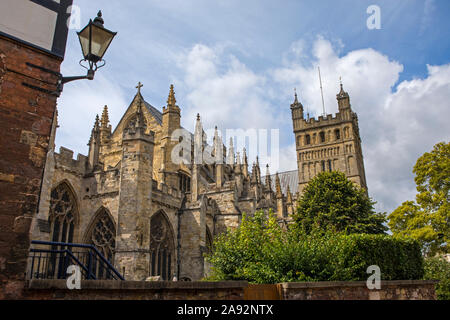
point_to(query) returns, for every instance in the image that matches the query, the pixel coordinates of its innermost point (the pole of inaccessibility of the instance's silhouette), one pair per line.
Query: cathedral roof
(155, 112)
(288, 178)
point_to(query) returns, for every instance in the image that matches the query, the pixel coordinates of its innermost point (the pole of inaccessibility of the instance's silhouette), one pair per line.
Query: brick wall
(25, 124)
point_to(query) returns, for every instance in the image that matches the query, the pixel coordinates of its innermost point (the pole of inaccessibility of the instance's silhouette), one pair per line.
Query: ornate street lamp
(94, 40)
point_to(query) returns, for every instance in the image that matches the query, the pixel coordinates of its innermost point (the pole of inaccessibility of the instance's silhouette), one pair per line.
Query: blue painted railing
(52, 262)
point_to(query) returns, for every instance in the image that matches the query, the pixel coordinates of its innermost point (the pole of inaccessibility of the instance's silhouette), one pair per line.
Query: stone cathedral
(151, 217)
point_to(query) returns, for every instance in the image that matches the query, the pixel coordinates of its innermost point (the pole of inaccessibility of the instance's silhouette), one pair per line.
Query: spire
(171, 101)
(105, 118)
(296, 103)
(268, 179)
(258, 170)
(342, 94)
(343, 97)
(218, 147)
(96, 124)
(278, 187)
(198, 141)
(238, 163)
(95, 130)
(245, 163)
(230, 157)
(289, 196)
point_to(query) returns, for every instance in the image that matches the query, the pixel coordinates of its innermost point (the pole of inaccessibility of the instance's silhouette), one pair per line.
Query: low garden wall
(232, 290)
(390, 290)
(136, 290)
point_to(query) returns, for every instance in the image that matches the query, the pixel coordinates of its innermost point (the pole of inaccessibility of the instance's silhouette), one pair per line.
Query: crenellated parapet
(64, 160)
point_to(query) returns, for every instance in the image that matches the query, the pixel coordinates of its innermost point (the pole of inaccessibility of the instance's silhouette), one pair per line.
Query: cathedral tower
(329, 143)
(133, 236)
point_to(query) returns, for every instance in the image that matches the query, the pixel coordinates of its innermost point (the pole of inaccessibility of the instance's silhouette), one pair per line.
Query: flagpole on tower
(321, 90)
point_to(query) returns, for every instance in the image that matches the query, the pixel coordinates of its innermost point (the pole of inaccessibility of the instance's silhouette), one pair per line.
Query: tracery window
(62, 212)
(62, 224)
(162, 255)
(103, 235)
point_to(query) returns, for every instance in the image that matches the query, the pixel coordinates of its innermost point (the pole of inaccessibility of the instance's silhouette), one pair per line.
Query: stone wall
(390, 290)
(231, 290)
(136, 290)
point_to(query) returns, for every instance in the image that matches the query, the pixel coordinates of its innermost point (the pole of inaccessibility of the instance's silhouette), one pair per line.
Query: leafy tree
(428, 220)
(439, 269)
(332, 202)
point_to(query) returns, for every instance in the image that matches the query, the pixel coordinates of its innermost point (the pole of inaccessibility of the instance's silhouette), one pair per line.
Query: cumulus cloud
(224, 91)
(77, 108)
(398, 122)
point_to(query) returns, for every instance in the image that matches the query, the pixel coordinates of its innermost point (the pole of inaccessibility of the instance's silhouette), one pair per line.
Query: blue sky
(237, 62)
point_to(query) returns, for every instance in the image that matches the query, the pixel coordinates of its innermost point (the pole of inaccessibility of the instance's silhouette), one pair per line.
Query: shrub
(260, 251)
(439, 269)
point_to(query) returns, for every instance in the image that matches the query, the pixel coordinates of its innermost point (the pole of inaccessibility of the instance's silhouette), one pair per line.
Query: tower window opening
(307, 139)
(338, 134)
(185, 182)
(322, 137)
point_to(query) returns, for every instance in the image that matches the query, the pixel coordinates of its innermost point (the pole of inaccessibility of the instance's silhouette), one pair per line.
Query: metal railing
(50, 260)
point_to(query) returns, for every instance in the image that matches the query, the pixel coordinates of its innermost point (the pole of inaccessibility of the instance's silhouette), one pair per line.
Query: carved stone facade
(329, 143)
(153, 217)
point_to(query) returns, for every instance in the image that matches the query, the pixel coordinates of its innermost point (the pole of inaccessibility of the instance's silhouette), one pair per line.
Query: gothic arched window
(62, 225)
(162, 253)
(62, 214)
(103, 235)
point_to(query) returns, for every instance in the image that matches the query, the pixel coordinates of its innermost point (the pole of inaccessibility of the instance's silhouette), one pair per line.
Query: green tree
(428, 219)
(439, 269)
(332, 202)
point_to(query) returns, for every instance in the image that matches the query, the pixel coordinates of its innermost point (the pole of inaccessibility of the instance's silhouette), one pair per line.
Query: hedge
(259, 251)
(398, 258)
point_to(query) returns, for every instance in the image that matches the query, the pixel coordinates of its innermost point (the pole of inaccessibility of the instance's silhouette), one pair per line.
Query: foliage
(428, 220)
(331, 201)
(439, 269)
(260, 251)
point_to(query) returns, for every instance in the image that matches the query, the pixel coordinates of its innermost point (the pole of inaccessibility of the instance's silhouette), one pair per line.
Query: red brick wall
(25, 123)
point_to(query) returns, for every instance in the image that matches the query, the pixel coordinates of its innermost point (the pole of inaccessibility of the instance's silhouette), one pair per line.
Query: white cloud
(224, 91)
(397, 125)
(79, 104)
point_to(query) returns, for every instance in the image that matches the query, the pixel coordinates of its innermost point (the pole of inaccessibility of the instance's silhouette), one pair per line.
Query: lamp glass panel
(101, 38)
(83, 35)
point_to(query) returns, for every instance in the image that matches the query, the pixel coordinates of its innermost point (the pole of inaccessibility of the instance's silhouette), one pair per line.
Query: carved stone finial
(105, 118)
(171, 101)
